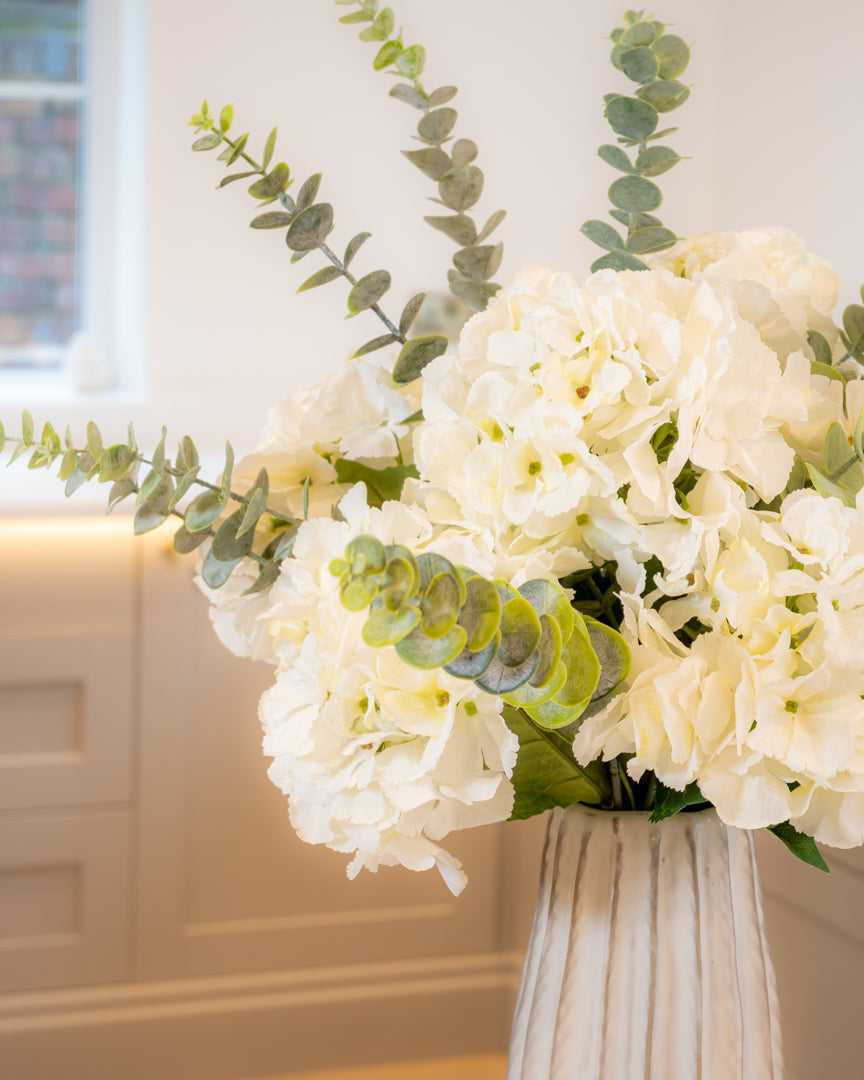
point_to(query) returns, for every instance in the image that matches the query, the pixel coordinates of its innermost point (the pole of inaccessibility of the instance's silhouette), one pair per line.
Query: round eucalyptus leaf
(479, 263)
(616, 157)
(547, 598)
(464, 151)
(643, 33)
(655, 238)
(459, 227)
(432, 161)
(228, 544)
(385, 627)
(440, 605)
(474, 294)
(821, 349)
(480, 612)
(549, 651)
(635, 195)
(387, 54)
(639, 65)
(357, 593)
(618, 51)
(186, 542)
(583, 667)
(215, 572)
(462, 187)
(437, 125)
(603, 235)
(612, 653)
(270, 185)
(673, 54)
(471, 664)
(655, 160)
(529, 694)
(665, 95)
(631, 117)
(520, 632)
(501, 678)
(273, 219)
(427, 653)
(310, 227)
(366, 555)
(415, 354)
(552, 714)
(368, 290)
(203, 511)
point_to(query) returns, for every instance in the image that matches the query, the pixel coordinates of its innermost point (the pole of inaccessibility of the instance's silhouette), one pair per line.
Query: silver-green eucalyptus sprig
(459, 179)
(251, 530)
(308, 224)
(654, 60)
(527, 645)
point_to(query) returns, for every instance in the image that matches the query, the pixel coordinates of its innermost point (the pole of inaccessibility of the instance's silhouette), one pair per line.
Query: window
(67, 72)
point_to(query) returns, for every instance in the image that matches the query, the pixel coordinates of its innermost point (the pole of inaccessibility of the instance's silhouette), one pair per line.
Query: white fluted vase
(648, 958)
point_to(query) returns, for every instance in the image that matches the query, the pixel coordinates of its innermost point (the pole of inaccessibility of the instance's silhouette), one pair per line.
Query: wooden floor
(476, 1067)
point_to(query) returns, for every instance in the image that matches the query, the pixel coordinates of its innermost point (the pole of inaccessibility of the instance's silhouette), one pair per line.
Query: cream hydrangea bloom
(764, 710)
(377, 758)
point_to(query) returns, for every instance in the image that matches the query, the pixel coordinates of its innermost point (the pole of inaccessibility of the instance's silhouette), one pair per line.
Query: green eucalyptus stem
(289, 204)
(615, 779)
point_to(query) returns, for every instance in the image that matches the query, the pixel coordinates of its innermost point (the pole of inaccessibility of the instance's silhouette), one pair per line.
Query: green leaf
(459, 227)
(228, 543)
(853, 324)
(665, 95)
(115, 462)
(215, 572)
(226, 180)
(858, 437)
(598, 232)
(801, 845)
(310, 227)
(272, 184)
(184, 486)
(431, 161)
(474, 294)
(203, 511)
(254, 509)
(237, 149)
(616, 157)
(464, 151)
(273, 219)
(668, 801)
(426, 653)
(411, 62)
(547, 598)
(363, 15)
(836, 454)
(3, 438)
(546, 773)
(387, 55)
(440, 605)
(549, 650)
(828, 372)
(382, 485)
(618, 260)
(502, 679)
(269, 573)
(656, 160)
(437, 125)
(354, 245)
(381, 28)
(642, 33)
(487, 230)
(375, 344)
(94, 437)
(480, 613)
(471, 665)
(583, 666)
(226, 118)
(441, 96)
(321, 277)
(635, 195)
(368, 291)
(612, 653)
(269, 147)
(226, 472)
(186, 542)
(632, 118)
(462, 187)
(207, 142)
(415, 354)
(520, 632)
(306, 194)
(821, 348)
(828, 488)
(147, 519)
(385, 627)
(639, 64)
(405, 92)
(529, 695)
(655, 238)
(673, 54)
(409, 313)
(120, 490)
(479, 263)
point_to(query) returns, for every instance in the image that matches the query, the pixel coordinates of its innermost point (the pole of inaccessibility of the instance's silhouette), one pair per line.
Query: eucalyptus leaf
(405, 92)
(828, 488)
(207, 142)
(479, 263)
(310, 227)
(441, 96)
(147, 519)
(471, 664)
(411, 62)
(254, 509)
(665, 95)
(520, 632)
(115, 462)
(415, 354)
(480, 613)
(459, 227)
(306, 194)
(474, 294)
(228, 542)
(618, 260)
(269, 186)
(639, 64)
(528, 695)
(464, 151)
(186, 542)
(821, 349)
(437, 125)
(385, 627)
(616, 157)
(321, 277)
(655, 238)
(462, 187)
(237, 149)
(656, 160)
(440, 606)
(387, 55)
(409, 312)
(427, 653)
(215, 572)
(272, 219)
(354, 245)
(269, 573)
(612, 653)
(487, 230)
(837, 454)
(631, 117)
(603, 235)
(635, 194)
(583, 667)
(673, 54)
(120, 490)
(375, 344)
(226, 180)
(432, 161)
(500, 678)
(368, 291)
(203, 511)
(853, 324)
(642, 33)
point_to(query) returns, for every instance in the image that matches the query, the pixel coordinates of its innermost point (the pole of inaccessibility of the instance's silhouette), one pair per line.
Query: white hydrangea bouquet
(608, 549)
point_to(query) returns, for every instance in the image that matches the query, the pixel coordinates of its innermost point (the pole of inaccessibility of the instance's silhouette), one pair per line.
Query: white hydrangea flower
(376, 757)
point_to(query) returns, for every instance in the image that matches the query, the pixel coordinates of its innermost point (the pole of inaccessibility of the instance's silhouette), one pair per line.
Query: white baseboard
(235, 1027)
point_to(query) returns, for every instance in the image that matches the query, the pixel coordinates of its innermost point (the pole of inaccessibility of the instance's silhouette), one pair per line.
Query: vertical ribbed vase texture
(648, 956)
